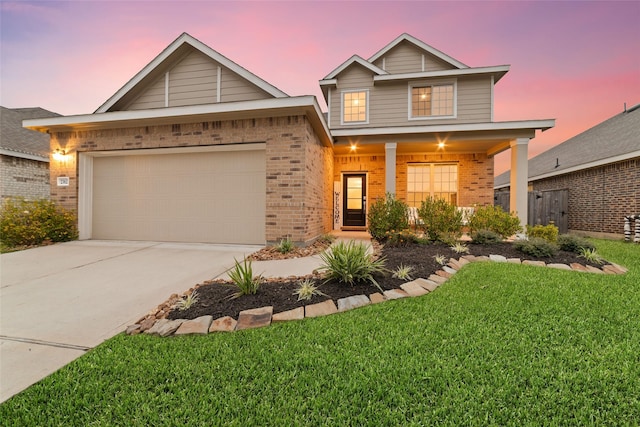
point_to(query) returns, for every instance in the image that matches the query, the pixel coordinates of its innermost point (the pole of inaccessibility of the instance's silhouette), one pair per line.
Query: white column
(390, 167)
(519, 178)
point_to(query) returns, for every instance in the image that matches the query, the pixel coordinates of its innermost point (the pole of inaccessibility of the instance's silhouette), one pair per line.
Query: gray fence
(544, 207)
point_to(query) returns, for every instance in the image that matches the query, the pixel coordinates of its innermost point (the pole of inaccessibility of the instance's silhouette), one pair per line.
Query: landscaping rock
(467, 258)
(199, 325)
(223, 324)
(497, 258)
(395, 294)
(133, 329)
(463, 261)
(295, 314)
(449, 270)
(414, 289)
(578, 267)
(147, 323)
(611, 269)
(429, 285)
(254, 318)
(376, 298)
(592, 269)
(514, 260)
(559, 266)
(453, 263)
(320, 309)
(536, 263)
(438, 279)
(624, 270)
(352, 302)
(444, 274)
(164, 327)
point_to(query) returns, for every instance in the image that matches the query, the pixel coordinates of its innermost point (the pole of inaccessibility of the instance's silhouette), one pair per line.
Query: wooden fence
(544, 207)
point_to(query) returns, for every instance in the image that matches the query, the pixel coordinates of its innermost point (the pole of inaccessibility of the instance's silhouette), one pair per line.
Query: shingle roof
(18, 140)
(613, 139)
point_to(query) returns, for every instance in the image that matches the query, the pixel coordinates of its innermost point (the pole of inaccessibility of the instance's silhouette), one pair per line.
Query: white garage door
(212, 197)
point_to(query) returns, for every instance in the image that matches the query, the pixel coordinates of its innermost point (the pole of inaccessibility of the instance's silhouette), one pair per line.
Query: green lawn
(499, 344)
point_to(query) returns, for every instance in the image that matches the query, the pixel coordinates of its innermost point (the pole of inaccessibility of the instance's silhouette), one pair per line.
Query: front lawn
(498, 344)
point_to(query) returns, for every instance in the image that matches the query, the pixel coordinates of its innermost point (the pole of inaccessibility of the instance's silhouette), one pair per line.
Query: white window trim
(368, 107)
(411, 85)
(432, 174)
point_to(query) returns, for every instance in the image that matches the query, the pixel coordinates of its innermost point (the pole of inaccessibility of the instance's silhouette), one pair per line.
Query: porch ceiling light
(353, 147)
(441, 144)
(58, 154)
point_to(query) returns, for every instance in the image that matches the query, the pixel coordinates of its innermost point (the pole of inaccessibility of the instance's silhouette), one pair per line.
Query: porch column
(390, 167)
(519, 178)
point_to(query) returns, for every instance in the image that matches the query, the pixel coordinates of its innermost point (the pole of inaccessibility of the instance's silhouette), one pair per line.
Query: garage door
(212, 197)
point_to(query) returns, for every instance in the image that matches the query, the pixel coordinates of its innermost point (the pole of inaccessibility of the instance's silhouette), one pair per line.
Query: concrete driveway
(59, 301)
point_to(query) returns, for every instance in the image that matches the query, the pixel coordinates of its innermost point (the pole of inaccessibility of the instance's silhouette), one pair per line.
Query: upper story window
(354, 107)
(434, 100)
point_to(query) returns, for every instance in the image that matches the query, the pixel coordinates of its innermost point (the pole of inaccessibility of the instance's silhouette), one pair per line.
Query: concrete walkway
(88, 291)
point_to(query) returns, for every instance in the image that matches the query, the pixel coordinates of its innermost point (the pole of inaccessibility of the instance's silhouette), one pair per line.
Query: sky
(574, 61)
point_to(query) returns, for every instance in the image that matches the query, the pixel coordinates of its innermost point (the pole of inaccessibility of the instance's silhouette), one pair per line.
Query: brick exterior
(297, 200)
(475, 174)
(23, 178)
(599, 198)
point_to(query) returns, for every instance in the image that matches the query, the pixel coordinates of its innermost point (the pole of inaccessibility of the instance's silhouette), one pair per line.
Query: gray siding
(389, 102)
(235, 88)
(193, 81)
(407, 58)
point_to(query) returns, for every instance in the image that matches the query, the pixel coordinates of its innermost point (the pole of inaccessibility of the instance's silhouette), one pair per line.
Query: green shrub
(493, 218)
(485, 237)
(547, 232)
(186, 302)
(387, 214)
(573, 243)
(25, 223)
(350, 263)
(591, 255)
(440, 220)
(400, 238)
(285, 246)
(536, 247)
(403, 272)
(242, 277)
(307, 289)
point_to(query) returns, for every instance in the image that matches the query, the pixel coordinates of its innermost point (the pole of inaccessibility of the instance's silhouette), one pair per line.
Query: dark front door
(354, 201)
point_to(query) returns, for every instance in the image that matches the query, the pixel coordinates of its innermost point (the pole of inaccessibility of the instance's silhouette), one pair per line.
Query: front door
(354, 200)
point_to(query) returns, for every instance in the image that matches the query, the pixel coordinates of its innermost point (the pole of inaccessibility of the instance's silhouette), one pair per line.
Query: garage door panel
(216, 197)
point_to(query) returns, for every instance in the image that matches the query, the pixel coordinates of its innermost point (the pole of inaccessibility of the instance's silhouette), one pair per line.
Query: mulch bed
(213, 296)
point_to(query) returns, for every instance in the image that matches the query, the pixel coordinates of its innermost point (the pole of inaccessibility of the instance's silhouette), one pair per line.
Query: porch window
(354, 107)
(432, 101)
(432, 180)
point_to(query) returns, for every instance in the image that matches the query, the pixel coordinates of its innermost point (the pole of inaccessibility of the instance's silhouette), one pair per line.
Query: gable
(406, 57)
(188, 72)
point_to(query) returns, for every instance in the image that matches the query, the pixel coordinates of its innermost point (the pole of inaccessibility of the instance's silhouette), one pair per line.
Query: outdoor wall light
(58, 154)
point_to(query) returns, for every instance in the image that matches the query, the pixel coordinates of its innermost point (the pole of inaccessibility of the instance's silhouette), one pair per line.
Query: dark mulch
(214, 295)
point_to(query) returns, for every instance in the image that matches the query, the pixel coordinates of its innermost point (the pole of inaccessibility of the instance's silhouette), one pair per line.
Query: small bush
(440, 220)
(547, 232)
(349, 263)
(27, 223)
(493, 218)
(460, 248)
(242, 277)
(403, 272)
(306, 290)
(536, 247)
(440, 259)
(591, 255)
(573, 243)
(387, 214)
(400, 238)
(187, 301)
(285, 246)
(485, 237)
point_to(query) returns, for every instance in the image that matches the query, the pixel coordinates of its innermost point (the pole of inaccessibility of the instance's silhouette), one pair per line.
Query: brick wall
(23, 178)
(292, 205)
(599, 198)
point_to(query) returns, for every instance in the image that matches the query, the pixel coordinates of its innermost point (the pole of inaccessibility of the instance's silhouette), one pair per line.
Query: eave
(274, 107)
(497, 71)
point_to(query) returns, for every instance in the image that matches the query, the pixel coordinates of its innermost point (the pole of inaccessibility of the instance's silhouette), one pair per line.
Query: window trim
(367, 107)
(418, 84)
(432, 166)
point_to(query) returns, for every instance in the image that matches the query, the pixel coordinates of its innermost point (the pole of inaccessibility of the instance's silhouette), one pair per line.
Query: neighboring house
(599, 169)
(195, 148)
(24, 155)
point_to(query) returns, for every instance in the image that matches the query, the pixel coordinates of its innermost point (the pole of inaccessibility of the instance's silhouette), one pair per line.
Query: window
(432, 180)
(354, 107)
(432, 100)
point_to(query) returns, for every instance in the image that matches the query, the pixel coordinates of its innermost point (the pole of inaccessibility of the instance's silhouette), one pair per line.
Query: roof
(420, 44)
(615, 139)
(173, 50)
(17, 141)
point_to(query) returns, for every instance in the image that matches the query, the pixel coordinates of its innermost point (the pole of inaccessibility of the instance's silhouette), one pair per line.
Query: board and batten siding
(389, 101)
(406, 58)
(193, 80)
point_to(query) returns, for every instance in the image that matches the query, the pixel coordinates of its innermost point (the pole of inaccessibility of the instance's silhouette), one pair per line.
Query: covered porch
(454, 162)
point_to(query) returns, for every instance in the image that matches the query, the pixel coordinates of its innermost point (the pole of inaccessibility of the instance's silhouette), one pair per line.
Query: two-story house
(195, 148)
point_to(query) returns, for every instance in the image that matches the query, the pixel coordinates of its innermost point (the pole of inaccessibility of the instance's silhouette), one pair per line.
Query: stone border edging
(264, 316)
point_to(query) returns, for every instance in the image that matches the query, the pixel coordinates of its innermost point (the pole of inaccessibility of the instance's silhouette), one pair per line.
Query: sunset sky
(577, 62)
